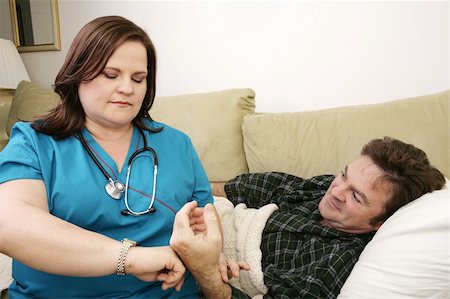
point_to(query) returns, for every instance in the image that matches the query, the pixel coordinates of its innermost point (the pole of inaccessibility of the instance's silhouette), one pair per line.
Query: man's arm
(200, 251)
(257, 189)
(218, 189)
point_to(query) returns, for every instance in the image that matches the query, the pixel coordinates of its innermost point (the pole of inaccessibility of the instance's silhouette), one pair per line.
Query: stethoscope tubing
(91, 154)
(152, 201)
(127, 210)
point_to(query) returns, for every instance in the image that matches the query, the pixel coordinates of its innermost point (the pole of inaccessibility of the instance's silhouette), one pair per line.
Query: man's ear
(377, 226)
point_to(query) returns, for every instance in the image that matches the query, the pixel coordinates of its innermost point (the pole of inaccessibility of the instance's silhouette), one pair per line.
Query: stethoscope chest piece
(114, 189)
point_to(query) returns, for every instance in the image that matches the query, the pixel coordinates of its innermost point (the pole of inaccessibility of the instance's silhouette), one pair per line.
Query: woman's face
(114, 98)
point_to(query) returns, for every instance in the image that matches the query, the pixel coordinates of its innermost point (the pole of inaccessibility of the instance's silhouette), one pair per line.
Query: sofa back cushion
(30, 101)
(213, 122)
(318, 142)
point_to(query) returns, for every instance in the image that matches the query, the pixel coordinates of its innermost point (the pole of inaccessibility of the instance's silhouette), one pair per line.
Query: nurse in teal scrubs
(84, 212)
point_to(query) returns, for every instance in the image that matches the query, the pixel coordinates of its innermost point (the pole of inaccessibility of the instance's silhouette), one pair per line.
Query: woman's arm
(31, 235)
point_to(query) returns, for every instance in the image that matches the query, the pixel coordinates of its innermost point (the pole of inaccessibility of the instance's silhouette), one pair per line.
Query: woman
(96, 176)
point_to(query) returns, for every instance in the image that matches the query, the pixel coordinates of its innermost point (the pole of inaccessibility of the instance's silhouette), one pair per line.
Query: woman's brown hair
(408, 173)
(85, 60)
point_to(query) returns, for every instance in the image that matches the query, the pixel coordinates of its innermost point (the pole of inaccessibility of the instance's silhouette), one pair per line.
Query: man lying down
(302, 237)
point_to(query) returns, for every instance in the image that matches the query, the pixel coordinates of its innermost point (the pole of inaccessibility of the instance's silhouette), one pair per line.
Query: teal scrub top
(76, 193)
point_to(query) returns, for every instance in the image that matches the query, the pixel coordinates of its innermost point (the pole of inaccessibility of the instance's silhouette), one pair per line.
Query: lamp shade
(12, 70)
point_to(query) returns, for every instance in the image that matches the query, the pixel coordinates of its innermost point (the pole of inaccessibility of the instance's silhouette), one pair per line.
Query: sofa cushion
(318, 142)
(30, 101)
(408, 256)
(213, 121)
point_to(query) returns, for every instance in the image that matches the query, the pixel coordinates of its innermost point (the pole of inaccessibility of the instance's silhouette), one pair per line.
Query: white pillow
(409, 256)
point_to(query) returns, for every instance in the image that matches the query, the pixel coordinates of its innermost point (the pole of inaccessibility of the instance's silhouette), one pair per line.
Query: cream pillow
(213, 121)
(409, 256)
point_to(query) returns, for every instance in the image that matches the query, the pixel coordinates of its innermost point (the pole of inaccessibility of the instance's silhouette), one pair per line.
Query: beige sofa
(231, 138)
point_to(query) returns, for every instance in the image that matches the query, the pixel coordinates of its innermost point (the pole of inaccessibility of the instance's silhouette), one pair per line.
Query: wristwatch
(126, 245)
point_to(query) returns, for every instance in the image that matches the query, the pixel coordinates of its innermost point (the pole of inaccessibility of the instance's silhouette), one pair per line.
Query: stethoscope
(115, 188)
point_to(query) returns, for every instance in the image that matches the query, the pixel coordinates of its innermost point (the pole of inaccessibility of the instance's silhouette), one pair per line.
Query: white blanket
(242, 228)
(5, 271)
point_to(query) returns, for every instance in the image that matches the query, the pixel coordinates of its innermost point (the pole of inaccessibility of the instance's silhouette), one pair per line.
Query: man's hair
(407, 173)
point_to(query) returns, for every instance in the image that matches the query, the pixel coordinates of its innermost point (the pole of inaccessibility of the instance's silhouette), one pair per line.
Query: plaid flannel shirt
(300, 257)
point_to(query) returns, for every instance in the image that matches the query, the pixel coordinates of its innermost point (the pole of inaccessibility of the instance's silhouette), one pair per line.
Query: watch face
(131, 242)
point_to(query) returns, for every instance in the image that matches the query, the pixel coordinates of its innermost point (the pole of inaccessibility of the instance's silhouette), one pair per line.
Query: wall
(296, 55)
(5, 20)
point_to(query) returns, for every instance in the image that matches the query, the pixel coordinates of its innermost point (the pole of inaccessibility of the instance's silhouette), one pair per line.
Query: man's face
(354, 198)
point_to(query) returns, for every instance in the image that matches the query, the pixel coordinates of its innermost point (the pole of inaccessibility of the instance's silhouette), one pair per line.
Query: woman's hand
(230, 268)
(156, 264)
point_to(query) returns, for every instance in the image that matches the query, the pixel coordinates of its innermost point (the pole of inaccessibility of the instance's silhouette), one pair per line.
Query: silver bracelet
(126, 245)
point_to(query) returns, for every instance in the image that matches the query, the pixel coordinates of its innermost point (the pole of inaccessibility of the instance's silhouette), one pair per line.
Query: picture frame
(35, 25)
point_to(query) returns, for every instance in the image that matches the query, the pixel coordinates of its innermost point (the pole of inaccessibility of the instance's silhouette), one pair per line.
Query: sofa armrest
(3, 143)
(5, 106)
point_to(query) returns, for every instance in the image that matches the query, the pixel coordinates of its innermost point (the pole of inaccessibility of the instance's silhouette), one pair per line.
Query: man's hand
(197, 237)
(196, 221)
(230, 268)
(198, 241)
